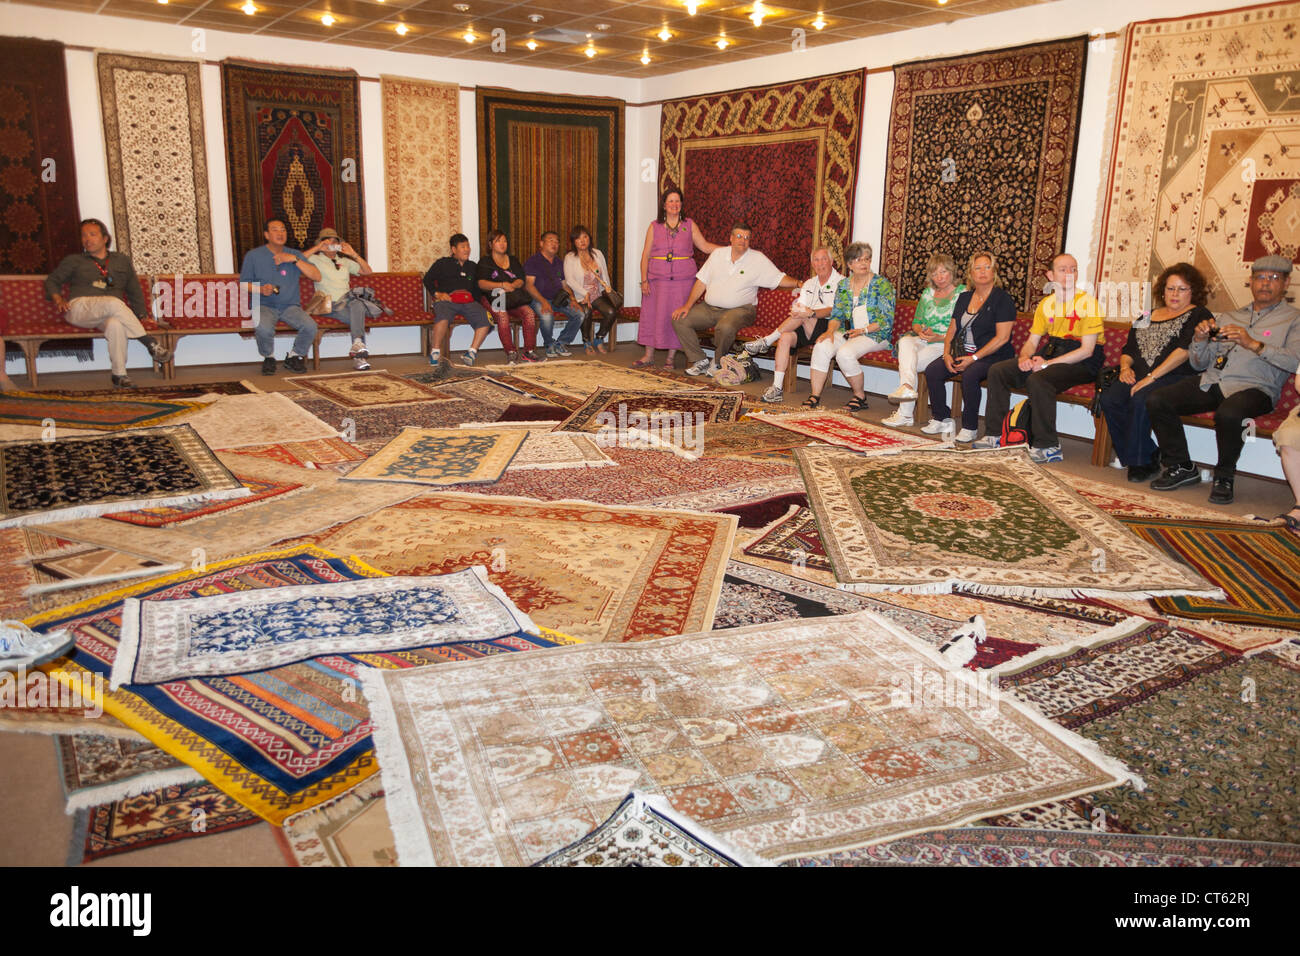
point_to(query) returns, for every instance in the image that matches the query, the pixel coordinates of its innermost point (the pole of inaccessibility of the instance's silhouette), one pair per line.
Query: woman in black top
(501, 277)
(1155, 356)
(978, 336)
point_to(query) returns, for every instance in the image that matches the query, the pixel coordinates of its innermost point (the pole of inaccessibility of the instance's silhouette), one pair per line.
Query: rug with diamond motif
(667, 413)
(835, 428)
(442, 456)
(986, 522)
(783, 739)
(99, 769)
(367, 389)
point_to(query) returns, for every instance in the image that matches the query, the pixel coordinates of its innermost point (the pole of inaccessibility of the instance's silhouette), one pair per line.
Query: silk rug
(1212, 733)
(100, 769)
(198, 510)
(421, 169)
(362, 389)
(835, 428)
(620, 411)
(293, 149)
(156, 818)
(76, 477)
(157, 162)
(449, 456)
(781, 158)
(981, 155)
(233, 421)
(1221, 191)
(279, 741)
(545, 159)
(578, 379)
(38, 212)
(208, 636)
(596, 573)
(1257, 567)
(1009, 846)
(42, 410)
(932, 521)
(784, 739)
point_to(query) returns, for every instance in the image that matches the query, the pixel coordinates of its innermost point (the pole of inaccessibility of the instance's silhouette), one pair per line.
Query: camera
(1216, 334)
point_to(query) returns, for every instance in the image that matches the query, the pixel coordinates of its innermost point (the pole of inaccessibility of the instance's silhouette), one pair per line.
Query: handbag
(562, 299)
(462, 296)
(615, 298)
(1105, 379)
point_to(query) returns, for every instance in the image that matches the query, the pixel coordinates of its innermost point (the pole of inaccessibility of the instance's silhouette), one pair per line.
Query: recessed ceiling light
(602, 26)
(401, 29)
(590, 51)
(723, 43)
(692, 6)
(645, 59)
(163, 2)
(536, 17)
(664, 35)
(531, 44)
(469, 35)
(462, 7)
(327, 20)
(757, 15)
(248, 8)
(819, 23)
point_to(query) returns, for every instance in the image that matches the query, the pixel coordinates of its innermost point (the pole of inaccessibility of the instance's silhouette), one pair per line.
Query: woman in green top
(925, 344)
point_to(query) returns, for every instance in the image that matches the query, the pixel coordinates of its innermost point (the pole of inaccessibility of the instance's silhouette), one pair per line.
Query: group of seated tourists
(1179, 358)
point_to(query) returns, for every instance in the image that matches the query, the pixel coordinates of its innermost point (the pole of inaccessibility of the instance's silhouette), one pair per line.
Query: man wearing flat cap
(338, 262)
(1245, 358)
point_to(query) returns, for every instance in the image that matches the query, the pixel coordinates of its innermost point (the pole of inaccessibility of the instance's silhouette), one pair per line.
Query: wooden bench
(403, 292)
(29, 320)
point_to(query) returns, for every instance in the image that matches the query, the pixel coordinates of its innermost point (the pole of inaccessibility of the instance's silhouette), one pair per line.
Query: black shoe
(1176, 476)
(1222, 493)
(268, 365)
(294, 363)
(122, 381)
(1143, 472)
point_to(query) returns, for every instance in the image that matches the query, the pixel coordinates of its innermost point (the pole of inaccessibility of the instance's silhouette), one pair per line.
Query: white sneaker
(897, 420)
(936, 427)
(1045, 456)
(988, 441)
(774, 395)
(359, 364)
(904, 393)
(757, 347)
(21, 647)
(966, 435)
(703, 367)
(359, 349)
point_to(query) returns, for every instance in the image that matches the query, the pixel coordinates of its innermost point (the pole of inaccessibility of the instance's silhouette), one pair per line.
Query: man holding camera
(337, 263)
(1245, 358)
(274, 269)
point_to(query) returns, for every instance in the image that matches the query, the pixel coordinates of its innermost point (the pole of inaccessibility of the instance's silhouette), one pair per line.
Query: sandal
(669, 367)
(591, 350)
(1292, 523)
(813, 401)
(643, 363)
(856, 405)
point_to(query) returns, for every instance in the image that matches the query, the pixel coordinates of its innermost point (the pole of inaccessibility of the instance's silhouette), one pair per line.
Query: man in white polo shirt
(728, 282)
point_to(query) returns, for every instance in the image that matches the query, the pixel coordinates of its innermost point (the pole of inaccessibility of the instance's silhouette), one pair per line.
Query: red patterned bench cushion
(24, 310)
(403, 292)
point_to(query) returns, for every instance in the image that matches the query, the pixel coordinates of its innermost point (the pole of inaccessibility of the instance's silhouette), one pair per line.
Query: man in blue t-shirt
(544, 280)
(273, 270)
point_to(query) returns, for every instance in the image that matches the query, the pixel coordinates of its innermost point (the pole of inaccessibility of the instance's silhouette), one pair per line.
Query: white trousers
(112, 315)
(845, 351)
(914, 354)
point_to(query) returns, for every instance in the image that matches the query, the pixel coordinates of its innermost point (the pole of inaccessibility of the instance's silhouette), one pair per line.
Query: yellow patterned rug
(579, 379)
(442, 456)
(234, 421)
(367, 389)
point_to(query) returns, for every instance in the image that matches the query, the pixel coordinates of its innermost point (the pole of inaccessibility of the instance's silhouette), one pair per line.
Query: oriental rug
(350, 830)
(279, 741)
(578, 379)
(39, 213)
(756, 595)
(543, 450)
(484, 390)
(161, 393)
(233, 421)
(80, 476)
(421, 169)
(43, 410)
(835, 428)
(622, 411)
(932, 521)
(546, 160)
(318, 453)
(1257, 567)
(386, 421)
(981, 154)
(446, 456)
(746, 437)
(1126, 502)
(156, 818)
(523, 412)
(1174, 709)
(78, 566)
(157, 162)
(596, 573)
(1009, 846)
(784, 739)
(198, 510)
(100, 769)
(364, 389)
(781, 158)
(1202, 165)
(293, 148)
(207, 636)
(645, 830)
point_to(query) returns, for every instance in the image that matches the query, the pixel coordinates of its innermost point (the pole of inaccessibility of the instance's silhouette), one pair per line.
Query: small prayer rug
(362, 389)
(992, 523)
(663, 414)
(594, 572)
(448, 456)
(1257, 567)
(103, 769)
(484, 389)
(350, 830)
(42, 410)
(160, 816)
(195, 511)
(258, 630)
(578, 379)
(236, 420)
(77, 477)
(85, 565)
(319, 453)
(784, 739)
(835, 428)
(546, 451)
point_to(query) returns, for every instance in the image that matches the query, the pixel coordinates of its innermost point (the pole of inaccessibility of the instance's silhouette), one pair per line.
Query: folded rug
(99, 769)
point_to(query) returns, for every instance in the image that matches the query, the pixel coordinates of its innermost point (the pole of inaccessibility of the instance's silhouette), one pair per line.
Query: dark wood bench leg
(315, 349)
(1103, 448)
(956, 401)
(30, 348)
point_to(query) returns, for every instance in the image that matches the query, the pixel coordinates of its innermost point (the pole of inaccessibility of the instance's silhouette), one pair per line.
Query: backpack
(737, 370)
(1015, 427)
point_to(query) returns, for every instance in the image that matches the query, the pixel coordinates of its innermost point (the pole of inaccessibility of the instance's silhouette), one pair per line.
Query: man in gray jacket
(1245, 358)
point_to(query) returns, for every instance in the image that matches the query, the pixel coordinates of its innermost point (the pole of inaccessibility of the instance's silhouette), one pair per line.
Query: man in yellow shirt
(1074, 326)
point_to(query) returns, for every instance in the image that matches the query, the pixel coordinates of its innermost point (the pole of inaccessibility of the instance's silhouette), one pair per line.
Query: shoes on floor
(966, 436)
(897, 420)
(987, 442)
(1176, 476)
(468, 357)
(512, 358)
(904, 393)
(561, 351)
(1222, 492)
(161, 356)
(268, 365)
(703, 367)
(1138, 473)
(936, 427)
(21, 647)
(531, 356)
(123, 381)
(774, 395)
(294, 363)
(360, 364)
(757, 347)
(1045, 456)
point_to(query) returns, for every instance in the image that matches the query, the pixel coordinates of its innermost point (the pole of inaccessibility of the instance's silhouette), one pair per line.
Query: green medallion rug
(442, 456)
(986, 522)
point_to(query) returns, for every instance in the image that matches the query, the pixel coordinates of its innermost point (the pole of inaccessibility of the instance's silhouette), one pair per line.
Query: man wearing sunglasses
(98, 281)
(338, 262)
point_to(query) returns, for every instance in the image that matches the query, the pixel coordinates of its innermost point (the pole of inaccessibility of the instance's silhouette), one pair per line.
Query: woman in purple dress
(667, 274)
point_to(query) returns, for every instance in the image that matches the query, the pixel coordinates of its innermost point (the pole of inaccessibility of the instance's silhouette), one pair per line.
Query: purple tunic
(670, 284)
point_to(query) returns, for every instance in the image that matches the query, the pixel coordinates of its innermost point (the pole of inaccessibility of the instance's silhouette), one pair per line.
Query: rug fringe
(95, 510)
(35, 589)
(410, 839)
(524, 622)
(1124, 628)
(95, 796)
(128, 644)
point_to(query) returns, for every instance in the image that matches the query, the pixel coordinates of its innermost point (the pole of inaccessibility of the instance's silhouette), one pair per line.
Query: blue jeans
(292, 316)
(572, 325)
(354, 314)
(1128, 421)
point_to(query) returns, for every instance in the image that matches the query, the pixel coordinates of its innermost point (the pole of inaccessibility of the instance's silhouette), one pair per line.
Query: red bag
(1015, 427)
(461, 297)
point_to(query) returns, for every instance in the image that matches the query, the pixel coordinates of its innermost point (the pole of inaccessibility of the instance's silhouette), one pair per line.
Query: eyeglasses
(1177, 289)
(1270, 276)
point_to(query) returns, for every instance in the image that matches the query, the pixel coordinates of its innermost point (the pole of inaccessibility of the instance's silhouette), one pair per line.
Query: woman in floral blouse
(925, 344)
(862, 321)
